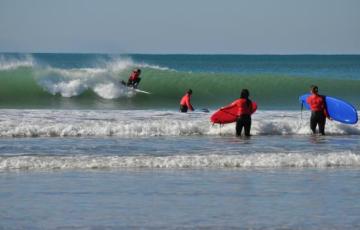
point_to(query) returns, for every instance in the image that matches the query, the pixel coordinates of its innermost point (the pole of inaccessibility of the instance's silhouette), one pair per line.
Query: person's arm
(129, 82)
(188, 104)
(253, 107)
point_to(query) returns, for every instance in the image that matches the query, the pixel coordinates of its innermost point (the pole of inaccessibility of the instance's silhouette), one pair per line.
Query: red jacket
(185, 100)
(243, 108)
(317, 103)
(134, 76)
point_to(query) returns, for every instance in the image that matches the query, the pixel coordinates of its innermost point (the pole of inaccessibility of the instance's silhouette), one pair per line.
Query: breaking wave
(147, 123)
(15, 61)
(257, 160)
(85, 81)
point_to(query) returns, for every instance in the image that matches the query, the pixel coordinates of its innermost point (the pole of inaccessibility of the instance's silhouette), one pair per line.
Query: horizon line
(181, 53)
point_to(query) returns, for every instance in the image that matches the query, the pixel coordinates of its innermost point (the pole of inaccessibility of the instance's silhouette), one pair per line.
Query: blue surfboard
(338, 110)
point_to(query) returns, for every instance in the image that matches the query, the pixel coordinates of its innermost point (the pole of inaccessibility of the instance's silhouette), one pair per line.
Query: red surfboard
(224, 116)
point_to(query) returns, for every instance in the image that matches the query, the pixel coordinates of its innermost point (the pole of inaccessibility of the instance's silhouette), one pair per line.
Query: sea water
(80, 151)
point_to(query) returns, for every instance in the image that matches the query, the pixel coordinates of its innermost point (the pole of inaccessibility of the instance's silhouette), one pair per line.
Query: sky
(181, 26)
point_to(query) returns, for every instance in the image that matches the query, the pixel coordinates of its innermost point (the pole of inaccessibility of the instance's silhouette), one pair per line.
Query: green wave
(20, 88)
(270, 91)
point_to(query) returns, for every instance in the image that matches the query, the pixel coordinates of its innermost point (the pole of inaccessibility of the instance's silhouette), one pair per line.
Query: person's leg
(136, 83)
(239, 126)
(321, 123)
(247, 125)
(313, 122)
(183, 108)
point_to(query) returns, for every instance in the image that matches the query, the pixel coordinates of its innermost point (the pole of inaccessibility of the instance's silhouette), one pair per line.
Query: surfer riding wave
(134, 79)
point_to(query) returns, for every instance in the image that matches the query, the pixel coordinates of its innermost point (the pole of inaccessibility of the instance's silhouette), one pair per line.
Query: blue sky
(182, 26)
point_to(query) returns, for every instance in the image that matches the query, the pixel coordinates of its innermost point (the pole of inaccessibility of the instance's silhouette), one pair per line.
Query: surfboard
(135, 89)
(339, 110)
(140, 91)
(198, 111)
(227, 115)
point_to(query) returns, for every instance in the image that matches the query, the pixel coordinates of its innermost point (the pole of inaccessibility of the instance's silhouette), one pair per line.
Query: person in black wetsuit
(245, 109)
(134, 79)
(318, 109)
(185, 103)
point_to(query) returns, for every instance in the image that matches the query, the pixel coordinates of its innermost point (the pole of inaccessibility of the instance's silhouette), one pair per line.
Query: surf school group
(240, 111)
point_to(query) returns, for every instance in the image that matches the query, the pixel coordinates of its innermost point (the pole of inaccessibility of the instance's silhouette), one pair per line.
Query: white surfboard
(141, 91)
(136, 90)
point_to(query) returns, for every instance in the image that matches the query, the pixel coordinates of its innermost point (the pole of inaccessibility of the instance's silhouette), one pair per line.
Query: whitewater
(149, 123)
(285, 129)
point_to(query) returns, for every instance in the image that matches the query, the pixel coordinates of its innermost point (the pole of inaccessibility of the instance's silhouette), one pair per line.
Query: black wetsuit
(244, 121)
(318, 118)
(134, 83)
(183, 108)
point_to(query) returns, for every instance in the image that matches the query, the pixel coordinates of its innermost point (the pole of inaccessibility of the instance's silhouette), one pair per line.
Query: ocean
(78, 150)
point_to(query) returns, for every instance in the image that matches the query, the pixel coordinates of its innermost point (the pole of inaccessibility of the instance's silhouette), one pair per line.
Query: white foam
(257, 160)
(157, 67)
(112, 90)
(103, 80)
(65, 88)
(144, 123)
(73, 82)
(119, 64)
(9, 63)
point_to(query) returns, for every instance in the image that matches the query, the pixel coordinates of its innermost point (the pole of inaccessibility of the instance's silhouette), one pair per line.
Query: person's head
(137, 71)
(244, 93)
(189, 92)
(314, 89)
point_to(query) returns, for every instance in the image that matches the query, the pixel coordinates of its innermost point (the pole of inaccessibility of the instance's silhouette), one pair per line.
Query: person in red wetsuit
(185, 103)
(245, 109)
(318, 109)
(134, 78)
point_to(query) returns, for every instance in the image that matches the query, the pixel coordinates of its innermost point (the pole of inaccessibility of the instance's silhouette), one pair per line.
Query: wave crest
(87, 78)
(104, 81)
(258, 160)
(11, 62)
